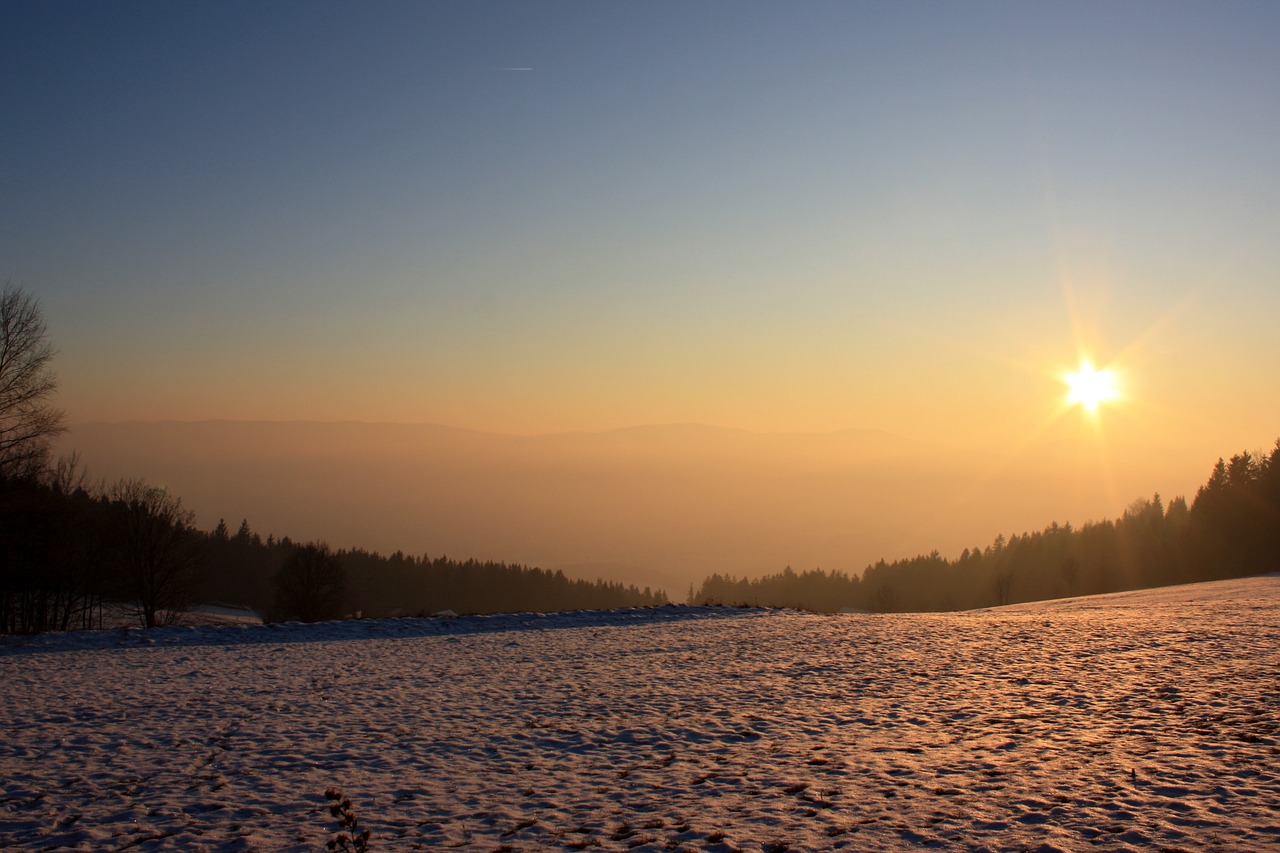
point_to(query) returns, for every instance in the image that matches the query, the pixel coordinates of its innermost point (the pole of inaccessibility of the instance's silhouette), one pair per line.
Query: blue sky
(772, 216)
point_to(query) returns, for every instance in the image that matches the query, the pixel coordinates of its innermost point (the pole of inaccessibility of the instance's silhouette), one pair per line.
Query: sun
(1091, 387)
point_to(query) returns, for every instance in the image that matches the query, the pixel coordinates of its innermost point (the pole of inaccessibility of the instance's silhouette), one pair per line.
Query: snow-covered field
(1140, 720)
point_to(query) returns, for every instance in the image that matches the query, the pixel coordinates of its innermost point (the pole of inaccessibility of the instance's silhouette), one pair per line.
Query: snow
(1135, 721)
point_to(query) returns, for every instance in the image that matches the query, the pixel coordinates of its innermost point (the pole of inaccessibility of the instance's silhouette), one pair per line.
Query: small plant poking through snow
(349, 838)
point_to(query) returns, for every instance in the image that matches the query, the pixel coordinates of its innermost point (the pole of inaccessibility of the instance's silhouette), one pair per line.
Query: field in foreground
(1139, 720)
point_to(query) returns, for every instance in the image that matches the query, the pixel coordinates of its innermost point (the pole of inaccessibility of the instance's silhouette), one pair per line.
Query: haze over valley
(659, 506)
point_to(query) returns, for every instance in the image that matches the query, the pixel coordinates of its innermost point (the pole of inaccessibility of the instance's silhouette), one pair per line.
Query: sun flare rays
(1090, 387)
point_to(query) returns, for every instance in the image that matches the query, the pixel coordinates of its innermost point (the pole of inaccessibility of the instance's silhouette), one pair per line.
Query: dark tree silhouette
(28, 420)
(240, 567)
(311, 586)
(51, 577)
(154, 550)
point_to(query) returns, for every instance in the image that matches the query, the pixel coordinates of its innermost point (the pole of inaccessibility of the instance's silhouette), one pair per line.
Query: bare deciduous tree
(311, 585)
(28, 421)
(155, 549)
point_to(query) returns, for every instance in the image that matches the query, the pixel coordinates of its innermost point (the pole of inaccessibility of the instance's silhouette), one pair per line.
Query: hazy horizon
(657, 505)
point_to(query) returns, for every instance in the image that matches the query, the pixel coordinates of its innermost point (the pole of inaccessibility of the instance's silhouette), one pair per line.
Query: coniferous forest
(1231, 529)
(73, 558)
(243, 568)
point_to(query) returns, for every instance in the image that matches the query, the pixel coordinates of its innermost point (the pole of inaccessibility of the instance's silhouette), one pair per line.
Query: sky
(569, 216)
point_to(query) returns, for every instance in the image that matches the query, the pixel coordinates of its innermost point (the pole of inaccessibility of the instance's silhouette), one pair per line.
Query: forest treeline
(72, 557)
(242, 568)
(79, 557)
(1231, 529)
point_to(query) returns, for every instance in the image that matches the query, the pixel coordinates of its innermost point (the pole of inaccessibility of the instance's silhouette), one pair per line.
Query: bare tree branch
(157, 554)
(28, 421)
